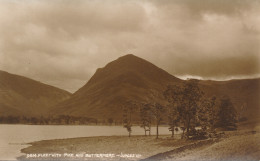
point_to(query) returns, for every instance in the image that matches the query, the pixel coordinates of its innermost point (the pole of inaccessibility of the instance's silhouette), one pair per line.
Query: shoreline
(141, 146)
(134, 125)
(16, 135)
(243, 144)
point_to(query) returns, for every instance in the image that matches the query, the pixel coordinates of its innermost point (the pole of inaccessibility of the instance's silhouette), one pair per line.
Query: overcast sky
(63, 42)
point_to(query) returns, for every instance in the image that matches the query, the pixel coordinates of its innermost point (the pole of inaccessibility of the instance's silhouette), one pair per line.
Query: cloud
(62, 43)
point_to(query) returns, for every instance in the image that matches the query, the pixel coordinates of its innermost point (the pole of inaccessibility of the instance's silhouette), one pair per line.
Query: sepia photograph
(130, 80)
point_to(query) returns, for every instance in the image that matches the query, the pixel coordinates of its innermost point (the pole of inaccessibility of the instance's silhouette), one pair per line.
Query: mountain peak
(122, 61)
(128, 55)
(129, 58)
(130, 66)
(131, 63)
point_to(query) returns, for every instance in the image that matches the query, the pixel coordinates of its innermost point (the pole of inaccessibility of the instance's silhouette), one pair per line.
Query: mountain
(132, 78)
(21, 96)
(127, 78)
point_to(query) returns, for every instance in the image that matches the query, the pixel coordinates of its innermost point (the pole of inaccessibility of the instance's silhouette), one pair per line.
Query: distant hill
(127, 78)
(243, 93)
(21, 96)
(132, 78)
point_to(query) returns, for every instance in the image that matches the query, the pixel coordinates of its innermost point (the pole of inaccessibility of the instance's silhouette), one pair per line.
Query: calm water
(14, 137)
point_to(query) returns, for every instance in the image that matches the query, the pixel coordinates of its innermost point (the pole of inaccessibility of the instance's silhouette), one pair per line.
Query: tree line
(197, 115)
(51, 120)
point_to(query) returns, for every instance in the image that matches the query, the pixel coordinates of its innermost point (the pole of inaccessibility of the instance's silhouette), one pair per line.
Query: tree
(146, 118)
(127, 115)
(205, 118)
(172, 94)
(207, 113)
(158, 112)
(127, 118)
(173, 119)
(190, 104)
(226, 114)
(187, 99)
(241, 111)
(110, 121)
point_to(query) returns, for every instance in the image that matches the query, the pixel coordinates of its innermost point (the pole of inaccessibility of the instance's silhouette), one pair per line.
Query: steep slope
(21, 96)
(127, 78)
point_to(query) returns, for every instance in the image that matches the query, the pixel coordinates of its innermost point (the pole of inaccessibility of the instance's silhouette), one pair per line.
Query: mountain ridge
(108, 90)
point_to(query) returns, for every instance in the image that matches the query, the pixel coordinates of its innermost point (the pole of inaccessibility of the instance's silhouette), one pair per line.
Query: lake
(13, 138)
